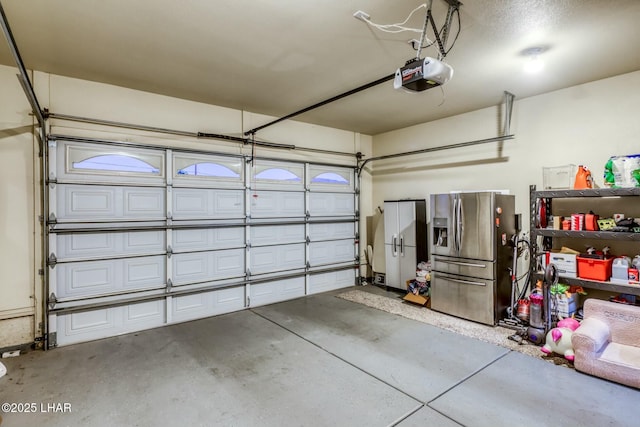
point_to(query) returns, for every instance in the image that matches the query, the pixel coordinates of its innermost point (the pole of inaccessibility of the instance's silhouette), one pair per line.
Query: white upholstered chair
(607, 343)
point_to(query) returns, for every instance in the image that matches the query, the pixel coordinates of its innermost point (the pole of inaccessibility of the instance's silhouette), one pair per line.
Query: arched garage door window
(277, 174)
(330, 178)
(104, 163)
(209, 169)
(116, 163)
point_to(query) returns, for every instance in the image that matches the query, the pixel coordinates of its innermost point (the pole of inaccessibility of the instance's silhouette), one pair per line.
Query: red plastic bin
(594, 269)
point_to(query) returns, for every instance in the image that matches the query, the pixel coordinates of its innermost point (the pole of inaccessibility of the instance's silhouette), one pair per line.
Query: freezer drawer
(464, 267)
(468, 298)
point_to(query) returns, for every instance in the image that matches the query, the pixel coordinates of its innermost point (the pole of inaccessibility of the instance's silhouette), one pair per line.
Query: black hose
(528, 275)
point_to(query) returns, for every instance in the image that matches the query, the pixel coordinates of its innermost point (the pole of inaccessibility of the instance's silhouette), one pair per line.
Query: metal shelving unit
(603, 286)
(549, 234)
(608, 235)
(591, 192)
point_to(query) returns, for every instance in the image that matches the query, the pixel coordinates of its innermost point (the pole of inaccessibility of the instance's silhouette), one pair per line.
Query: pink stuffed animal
(569, 323)
(559, 339)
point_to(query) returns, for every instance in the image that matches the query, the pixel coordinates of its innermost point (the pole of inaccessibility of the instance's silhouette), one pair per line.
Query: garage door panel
(190, 303)
(337, 251)
(145, 272)
(266, 259)
(101, 323)
(213, 238)
(143, 312)
(274, 204)
(103, 245)
(96, 278)
(191, 203)
(277, 290)
(69, 246)
(85, 200)
(195, 306)
(88, 321)
(205, 266)
(323, 282)
(143, 203)
(189, 268)
(331, 204)
(108, 203)
(144, 241)
(229, 202)
(229, 263)
(277, 234)
(87, 278)
(330, 231)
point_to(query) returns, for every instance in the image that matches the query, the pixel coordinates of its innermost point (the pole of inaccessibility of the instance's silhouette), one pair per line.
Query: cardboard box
(417, 299)
(566, 264)
(566, 306)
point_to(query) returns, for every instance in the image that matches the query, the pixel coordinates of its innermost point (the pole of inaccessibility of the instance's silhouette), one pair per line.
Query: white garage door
(141, 237)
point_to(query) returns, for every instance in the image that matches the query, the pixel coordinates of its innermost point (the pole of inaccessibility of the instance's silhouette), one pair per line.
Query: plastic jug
(620, 269)
(636, 262)
(583, 178)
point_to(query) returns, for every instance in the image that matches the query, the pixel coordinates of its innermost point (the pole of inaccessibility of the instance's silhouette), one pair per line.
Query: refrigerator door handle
(464, 264)
(454, 224)
(465, 282)
(457, 219)
(461, 225)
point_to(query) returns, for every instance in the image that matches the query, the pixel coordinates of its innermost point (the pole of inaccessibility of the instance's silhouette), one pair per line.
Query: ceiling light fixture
(533, 63)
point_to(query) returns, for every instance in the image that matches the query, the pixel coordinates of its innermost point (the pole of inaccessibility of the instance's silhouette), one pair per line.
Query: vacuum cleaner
(540, 311)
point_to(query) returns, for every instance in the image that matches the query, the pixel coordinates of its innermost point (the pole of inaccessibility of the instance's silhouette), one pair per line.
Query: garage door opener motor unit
(422, 74)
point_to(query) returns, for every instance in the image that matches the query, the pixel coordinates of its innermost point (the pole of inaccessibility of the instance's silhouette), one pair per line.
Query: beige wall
(19, 191)
(17, 243)
(584, 124)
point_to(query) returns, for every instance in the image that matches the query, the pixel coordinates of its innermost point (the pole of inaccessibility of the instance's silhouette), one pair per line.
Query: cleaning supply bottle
(583, 178)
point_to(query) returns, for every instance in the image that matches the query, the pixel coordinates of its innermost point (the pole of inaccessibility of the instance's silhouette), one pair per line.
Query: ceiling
(276, 57)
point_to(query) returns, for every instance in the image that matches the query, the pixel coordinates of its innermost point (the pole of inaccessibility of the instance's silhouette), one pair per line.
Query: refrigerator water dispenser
(440, 232)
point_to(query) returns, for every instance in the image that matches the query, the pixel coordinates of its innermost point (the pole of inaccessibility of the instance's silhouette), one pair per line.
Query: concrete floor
(315, 361)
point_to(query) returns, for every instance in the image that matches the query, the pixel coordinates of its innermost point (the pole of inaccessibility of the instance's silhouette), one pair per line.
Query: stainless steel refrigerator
(470, 254)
